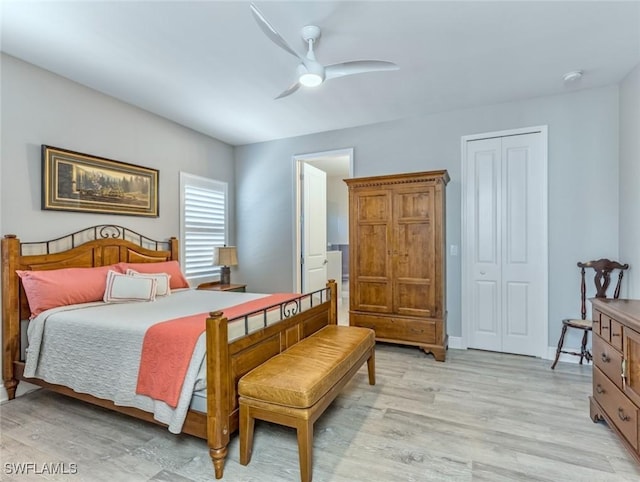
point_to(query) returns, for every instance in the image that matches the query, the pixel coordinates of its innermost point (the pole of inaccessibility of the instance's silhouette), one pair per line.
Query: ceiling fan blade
(289, 91)
(358, 67)
(268, 29)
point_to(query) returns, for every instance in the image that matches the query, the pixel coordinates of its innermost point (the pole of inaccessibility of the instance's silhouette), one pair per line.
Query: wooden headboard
(100, 245)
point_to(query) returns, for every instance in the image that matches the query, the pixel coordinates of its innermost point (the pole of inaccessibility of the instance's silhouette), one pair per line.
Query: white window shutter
(203, 224)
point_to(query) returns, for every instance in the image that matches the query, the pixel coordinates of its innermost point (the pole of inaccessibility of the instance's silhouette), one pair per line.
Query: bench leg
(371, 368)
(305, 449)
(247, 424)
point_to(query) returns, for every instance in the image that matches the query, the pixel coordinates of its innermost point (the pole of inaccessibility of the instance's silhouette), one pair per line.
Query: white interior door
(505, 236)
(314, 228)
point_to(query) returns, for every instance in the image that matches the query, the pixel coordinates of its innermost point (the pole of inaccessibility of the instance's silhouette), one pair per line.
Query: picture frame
(73, 181)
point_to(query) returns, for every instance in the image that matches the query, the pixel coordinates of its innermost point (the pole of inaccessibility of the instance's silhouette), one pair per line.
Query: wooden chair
(602, 279)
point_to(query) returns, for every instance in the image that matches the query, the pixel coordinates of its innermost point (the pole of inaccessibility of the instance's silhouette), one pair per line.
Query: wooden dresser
(397, 270)
(616, 368)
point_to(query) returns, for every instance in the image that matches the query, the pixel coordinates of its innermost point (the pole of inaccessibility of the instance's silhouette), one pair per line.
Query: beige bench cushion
(301, 375)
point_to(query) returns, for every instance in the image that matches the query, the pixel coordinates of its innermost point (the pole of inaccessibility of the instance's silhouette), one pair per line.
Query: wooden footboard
(227, 361)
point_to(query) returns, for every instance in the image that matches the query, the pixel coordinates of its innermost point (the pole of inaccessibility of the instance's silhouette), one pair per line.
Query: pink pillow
(61, 287)
(172, 268)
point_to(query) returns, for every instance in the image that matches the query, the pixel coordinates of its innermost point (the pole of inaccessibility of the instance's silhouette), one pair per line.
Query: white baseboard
(455, 342)
(3, 393)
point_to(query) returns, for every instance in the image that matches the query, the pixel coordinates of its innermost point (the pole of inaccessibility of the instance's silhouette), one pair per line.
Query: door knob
(325, 262)
(482, 273)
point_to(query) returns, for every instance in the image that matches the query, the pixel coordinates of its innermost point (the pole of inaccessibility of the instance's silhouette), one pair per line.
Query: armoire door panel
(372, 295)
(413, 259)
(372, 252)
(373, 207)
(413, 205)
(413, 251)
(415, 298)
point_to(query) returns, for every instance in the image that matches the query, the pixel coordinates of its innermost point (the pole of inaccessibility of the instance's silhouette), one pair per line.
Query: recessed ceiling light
(573, 76)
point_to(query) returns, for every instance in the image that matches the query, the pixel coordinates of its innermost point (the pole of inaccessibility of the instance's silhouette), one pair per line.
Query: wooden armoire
(397, 272)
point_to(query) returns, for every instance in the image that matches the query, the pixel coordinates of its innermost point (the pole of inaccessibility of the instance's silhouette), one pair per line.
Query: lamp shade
(225, 256)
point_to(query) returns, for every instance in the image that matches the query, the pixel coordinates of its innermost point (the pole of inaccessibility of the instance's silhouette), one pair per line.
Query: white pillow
(163, 280)
(121, 288)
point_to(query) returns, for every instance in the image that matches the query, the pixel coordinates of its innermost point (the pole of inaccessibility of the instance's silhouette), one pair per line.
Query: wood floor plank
(479, 416)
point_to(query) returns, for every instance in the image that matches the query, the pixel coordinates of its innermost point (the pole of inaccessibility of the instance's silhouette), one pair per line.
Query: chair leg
(560, 343)
(583, 347)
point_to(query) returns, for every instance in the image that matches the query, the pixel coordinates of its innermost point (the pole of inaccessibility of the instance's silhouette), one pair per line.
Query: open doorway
(337, 165)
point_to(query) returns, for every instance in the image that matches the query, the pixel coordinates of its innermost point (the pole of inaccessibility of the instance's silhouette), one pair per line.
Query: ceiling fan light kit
(311, 75)
(310, 72)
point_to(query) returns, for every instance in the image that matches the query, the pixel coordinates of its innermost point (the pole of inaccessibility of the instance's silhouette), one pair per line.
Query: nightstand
(216, 286)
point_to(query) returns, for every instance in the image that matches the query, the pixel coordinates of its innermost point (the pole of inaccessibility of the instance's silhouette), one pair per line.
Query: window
(203, 225)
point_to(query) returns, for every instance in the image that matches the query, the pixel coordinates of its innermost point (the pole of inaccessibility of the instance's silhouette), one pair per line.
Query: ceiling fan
(310, 72)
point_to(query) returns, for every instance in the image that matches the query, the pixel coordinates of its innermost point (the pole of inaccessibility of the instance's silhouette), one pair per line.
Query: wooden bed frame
(226, 362)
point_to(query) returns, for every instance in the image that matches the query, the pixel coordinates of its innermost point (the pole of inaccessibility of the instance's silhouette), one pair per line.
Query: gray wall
(39, 107)
(630, 178)
(583, 164)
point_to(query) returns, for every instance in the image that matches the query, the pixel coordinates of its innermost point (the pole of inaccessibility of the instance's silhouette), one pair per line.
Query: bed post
(333, 293)
(173, 246)
(10, 312)
(217, 390)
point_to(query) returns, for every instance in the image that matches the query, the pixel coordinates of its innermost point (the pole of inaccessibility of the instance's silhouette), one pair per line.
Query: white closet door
(504, 271)
(483, 223)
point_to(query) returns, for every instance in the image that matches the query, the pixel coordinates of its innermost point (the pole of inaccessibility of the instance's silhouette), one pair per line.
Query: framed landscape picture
(72, 181)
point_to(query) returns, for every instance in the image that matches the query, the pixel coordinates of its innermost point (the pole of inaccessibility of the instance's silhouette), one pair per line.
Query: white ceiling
(207, 65)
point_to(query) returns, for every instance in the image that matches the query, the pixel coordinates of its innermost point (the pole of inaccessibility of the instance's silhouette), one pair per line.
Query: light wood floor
(477, 417)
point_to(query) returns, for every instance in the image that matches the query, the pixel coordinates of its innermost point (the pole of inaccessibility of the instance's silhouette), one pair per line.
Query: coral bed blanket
(168, 347)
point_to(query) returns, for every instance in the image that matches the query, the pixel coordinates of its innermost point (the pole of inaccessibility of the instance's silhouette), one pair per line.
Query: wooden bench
(295, 387)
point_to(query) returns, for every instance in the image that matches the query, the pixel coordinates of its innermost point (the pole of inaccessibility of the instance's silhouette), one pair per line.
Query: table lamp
(225, 256)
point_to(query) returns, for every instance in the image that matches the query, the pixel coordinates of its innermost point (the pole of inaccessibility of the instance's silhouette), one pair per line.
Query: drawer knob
(599, 388)
(622, 416)
(605, 357)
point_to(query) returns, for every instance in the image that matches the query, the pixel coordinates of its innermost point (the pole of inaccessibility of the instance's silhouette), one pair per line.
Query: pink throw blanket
(168, 347)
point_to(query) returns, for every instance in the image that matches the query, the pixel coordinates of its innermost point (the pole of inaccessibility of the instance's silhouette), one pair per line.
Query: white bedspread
(95, 348)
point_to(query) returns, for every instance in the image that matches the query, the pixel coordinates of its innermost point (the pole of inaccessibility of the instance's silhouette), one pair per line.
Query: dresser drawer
(402, 329)
(608, 360)
(616, 334)
(605, 327)
(622, 412)
(596, 321)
